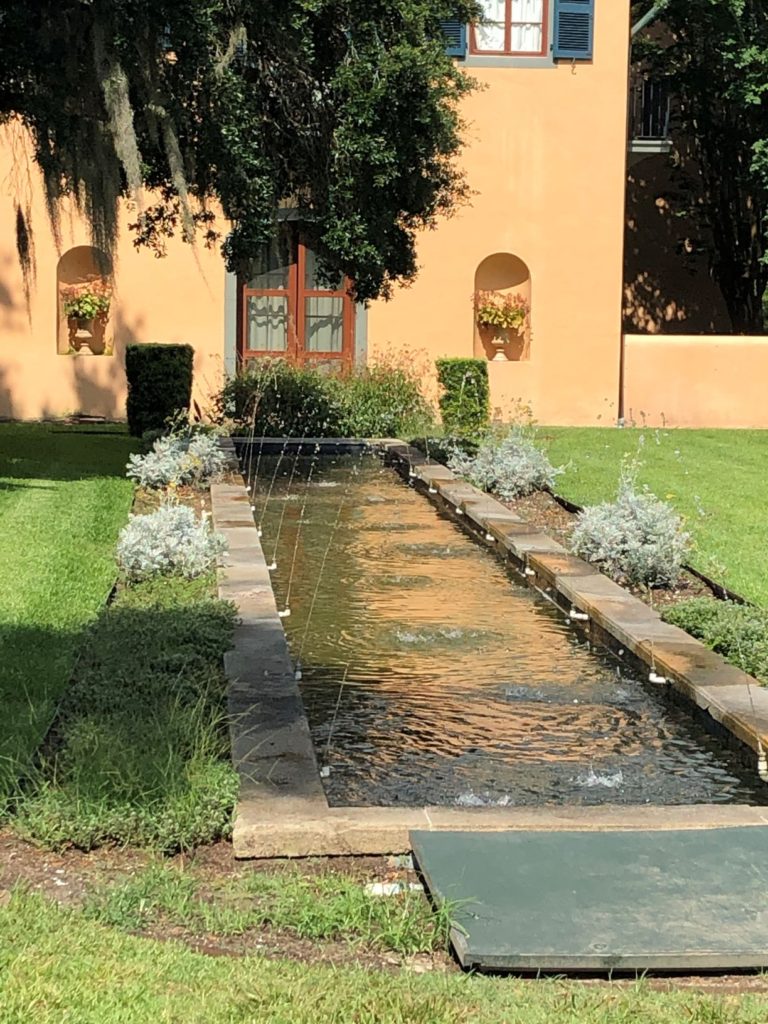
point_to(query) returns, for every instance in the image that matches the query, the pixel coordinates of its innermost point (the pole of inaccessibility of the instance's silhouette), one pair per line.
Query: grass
(57, 965)
(63, 499)
(324, 907)
(715, 478)
(140, 750)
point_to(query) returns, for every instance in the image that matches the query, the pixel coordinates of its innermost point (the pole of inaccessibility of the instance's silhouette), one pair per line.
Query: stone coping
(282, 808)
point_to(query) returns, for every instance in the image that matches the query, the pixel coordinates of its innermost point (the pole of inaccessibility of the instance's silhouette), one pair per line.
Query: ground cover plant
(179, 459)
(60, 963)
(272, 398)
(714, 478)
(171, 541)
(738, 632)
(63, 499)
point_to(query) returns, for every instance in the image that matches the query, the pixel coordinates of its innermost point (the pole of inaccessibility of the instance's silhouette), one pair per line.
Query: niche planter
(87, 311)
(502, 319)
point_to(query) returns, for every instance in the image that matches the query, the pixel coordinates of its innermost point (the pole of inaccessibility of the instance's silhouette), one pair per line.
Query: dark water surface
(431, 676)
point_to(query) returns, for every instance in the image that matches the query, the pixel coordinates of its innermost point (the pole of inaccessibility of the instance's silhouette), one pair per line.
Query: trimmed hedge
(465, 398)
(159, 384)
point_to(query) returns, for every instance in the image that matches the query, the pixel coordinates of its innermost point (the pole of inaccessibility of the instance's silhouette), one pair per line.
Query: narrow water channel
(431, 676)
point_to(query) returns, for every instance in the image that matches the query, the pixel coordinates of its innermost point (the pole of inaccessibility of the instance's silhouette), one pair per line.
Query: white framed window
(512, 28)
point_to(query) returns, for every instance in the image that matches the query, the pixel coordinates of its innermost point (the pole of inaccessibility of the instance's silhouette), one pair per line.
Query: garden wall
(696, 380)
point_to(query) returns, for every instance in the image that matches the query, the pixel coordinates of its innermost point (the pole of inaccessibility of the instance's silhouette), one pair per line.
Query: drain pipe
(651, 15)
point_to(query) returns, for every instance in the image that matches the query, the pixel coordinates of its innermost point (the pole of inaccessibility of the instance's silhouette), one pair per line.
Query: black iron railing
(649, 109)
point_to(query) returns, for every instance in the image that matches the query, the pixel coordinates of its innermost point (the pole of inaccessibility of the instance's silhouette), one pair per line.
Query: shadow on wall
(99, 381)
(668, 283)
(6, 398)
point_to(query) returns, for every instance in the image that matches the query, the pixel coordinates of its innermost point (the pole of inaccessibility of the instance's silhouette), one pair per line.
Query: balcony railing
(649, 112)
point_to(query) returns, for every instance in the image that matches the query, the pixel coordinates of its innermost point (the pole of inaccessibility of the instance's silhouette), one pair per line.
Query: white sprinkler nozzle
(578, 616)
(284, 613)
(529, 571)
(272, 566)
(325, 771)
(654, 677)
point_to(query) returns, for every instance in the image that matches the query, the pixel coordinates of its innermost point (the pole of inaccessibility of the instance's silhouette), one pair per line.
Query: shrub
(171, 541)
(637, 539)
(511, 465)
(275, 399)
(159, 384)
(272, 398)
(381, 401)
(174, 460)
(464, 401)
(738, 632)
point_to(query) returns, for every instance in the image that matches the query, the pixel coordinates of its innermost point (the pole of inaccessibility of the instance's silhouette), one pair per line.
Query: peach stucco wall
(546, 163)
(696, 380)
(176, 299)
(546, 158)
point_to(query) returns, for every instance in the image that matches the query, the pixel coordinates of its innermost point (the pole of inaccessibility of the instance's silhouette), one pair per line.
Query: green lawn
(58, 966)
(63, 498)
(718, 479)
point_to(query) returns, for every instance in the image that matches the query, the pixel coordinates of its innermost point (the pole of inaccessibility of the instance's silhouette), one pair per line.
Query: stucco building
(546, 160)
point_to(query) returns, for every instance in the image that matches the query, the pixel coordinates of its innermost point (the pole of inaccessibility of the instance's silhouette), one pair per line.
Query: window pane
(528, 11)
(494, 10)
(324, 327)
(272, 267)
(311, 281)
(526, 38)
(267, 323)
(489, 36)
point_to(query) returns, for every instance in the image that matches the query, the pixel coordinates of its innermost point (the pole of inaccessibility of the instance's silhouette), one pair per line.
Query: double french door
(287, 313)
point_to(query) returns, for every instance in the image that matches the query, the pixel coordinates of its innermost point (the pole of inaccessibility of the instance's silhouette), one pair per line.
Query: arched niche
(505, 274)
(81, 269)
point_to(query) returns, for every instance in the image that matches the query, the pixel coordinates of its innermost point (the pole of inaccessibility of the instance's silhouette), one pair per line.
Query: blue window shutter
(574, 29)
(455, 33)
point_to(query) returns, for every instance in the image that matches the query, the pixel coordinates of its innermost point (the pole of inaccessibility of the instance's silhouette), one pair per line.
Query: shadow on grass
(139, 750)
(45, 451)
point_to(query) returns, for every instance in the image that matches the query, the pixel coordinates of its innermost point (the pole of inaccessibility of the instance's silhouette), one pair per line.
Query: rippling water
(430, 675)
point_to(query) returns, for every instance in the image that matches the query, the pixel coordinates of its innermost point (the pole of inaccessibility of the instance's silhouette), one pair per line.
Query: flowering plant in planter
(496, 309)
(87, 303)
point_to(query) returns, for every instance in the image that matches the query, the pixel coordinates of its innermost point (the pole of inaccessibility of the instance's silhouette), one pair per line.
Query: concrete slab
(618, 901)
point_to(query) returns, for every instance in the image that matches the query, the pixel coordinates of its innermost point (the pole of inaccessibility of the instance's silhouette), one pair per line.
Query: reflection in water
(460, 685)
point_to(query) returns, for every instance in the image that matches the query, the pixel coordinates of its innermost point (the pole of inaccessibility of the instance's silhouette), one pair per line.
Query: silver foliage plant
(510, 465)
(176, 459)
(637, 539)
(172, 541)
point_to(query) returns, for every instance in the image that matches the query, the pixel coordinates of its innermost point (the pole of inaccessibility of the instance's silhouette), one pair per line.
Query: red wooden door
(287, 313)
